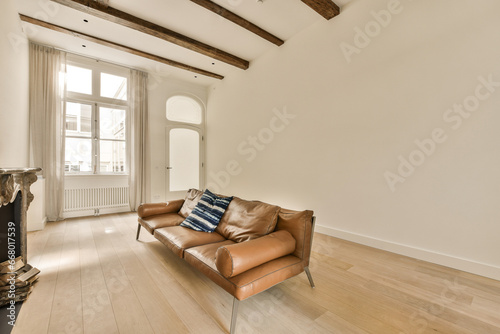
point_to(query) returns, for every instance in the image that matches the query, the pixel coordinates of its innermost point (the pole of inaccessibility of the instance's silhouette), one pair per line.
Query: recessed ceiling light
(84, 46)
(196, 76)
(213, 63)
(85, 20)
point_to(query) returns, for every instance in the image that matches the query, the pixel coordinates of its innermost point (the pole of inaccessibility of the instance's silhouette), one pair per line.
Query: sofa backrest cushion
(299, 224)
(192, 198)
(246, 220)
(207, 213)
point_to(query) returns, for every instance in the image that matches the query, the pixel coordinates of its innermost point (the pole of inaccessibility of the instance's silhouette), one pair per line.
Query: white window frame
(97, 101)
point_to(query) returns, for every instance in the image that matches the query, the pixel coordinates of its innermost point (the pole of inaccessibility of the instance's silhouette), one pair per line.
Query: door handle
(168, 167)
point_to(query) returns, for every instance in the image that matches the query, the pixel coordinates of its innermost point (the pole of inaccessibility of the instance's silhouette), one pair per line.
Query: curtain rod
(88, 57)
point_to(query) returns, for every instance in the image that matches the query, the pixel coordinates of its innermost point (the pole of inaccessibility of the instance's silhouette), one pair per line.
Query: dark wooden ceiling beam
(228, 15)
(326, 8)
(118, 46)
(116, 16)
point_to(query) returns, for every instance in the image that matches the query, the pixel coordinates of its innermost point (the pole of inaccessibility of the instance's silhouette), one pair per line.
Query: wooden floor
(95, 278)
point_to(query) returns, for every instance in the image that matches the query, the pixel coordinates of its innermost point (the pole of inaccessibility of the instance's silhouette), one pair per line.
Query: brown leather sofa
(254, 247)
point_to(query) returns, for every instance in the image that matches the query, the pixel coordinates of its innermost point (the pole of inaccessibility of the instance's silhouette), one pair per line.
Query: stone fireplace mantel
(15, 198)
(13, 181)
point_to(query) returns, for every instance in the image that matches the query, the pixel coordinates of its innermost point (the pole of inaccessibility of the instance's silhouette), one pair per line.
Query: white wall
(36, 211)
(14, 117)
(160, 88)
(356, 113)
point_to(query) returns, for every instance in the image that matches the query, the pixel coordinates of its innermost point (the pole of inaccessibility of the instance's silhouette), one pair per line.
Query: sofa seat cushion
(152, 223)
(206, 253)
(249, 282)
(246, 220)
(178, 238)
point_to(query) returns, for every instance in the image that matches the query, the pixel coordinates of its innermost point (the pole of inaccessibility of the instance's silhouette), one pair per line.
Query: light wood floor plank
(98, 314)
(160, 313)
(129, 315)
(211, 298)
(66, 315)
(36, 311)
(184, 304)
(330, 322)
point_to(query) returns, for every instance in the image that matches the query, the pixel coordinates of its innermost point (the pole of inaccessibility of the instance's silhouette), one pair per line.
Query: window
(79, 80)
(113, 86)
(112, 140)
(78, 137)
(96, 118)
(184, 109)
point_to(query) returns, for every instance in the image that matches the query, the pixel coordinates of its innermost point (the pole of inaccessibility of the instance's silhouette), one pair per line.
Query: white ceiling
(282, 18)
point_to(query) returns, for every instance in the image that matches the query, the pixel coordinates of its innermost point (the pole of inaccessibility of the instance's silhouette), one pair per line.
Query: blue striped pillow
(207, 213)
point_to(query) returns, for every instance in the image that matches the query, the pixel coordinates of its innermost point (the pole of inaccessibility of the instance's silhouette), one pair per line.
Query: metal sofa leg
(309, 277)
(138, 231)
(234, 315)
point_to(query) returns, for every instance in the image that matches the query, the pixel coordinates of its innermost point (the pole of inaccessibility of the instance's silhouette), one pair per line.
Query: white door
(184, 144)
(184, 163)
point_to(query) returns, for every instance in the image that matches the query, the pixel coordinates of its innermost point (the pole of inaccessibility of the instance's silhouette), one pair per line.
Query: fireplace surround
(15, 198)
(17, 277)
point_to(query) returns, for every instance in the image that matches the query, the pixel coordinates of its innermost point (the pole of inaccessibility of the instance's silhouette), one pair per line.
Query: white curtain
(46, 123)
(138, 138)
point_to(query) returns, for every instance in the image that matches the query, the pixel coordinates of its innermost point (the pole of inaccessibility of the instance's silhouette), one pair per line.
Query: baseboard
(36, 226)
(473, 267)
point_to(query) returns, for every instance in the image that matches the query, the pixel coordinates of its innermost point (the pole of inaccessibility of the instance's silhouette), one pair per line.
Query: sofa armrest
(151, 209)
(234, 259)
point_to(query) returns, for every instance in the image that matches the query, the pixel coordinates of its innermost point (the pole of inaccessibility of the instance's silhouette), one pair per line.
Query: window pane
(184, 158)
(79, 80)
(112, 123)
(71, 123)
(78, 119)
(112, 157)
(113, 86)
(78, 155)
(184, 109)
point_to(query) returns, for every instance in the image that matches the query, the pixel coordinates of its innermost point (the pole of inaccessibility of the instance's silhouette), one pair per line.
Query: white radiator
(96, 199)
